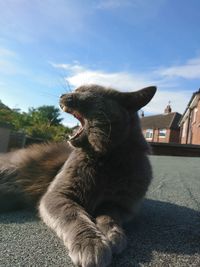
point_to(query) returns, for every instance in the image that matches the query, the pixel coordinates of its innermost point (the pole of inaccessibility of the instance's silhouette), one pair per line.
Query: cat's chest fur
(94, 181)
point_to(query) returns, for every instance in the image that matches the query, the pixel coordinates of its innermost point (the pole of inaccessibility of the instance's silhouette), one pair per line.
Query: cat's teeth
(64, 109)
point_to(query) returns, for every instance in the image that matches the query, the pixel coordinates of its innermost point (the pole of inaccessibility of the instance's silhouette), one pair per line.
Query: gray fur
(87, 192)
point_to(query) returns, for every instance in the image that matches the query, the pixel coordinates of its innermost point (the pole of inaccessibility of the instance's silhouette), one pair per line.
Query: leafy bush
(43, 122)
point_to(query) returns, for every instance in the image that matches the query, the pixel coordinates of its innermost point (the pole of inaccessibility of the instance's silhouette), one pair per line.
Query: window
(162, 133)
(149, 133)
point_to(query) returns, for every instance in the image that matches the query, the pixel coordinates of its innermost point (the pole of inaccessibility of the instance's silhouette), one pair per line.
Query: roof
(189, 105)
(161, 121)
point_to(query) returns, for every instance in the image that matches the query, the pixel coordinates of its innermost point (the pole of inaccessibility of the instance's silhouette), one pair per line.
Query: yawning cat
(85, 191)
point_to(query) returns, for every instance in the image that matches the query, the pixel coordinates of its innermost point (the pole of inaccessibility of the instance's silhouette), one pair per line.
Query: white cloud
(77, 75)
(8, 68)
(178, 100)
(4, 52)
(9, 62)
(189, 70)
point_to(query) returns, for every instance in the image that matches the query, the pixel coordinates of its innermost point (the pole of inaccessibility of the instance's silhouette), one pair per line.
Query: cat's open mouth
(79, 117)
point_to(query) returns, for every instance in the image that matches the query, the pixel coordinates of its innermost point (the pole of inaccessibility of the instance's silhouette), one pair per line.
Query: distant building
(4, 137)
(162, 128)
(190, 121)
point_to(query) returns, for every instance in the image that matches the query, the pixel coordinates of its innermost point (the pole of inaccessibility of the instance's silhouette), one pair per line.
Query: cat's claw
(117, 239)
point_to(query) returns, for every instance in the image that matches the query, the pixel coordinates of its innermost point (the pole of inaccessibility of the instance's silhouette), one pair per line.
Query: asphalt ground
(166, 233)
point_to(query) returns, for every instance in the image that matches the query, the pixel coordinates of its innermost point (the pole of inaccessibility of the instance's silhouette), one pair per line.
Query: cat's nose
(66, 100)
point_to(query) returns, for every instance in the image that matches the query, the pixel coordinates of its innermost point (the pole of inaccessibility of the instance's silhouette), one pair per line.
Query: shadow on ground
(164, 231)
(162, 235)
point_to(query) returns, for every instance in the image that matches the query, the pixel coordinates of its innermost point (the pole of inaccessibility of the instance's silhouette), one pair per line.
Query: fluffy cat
(87, 190)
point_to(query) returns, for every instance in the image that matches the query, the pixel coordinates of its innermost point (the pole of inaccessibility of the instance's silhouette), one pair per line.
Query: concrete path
(167, 232)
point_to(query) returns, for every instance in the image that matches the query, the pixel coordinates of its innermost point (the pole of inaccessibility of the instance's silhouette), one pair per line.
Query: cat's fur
(86, 192)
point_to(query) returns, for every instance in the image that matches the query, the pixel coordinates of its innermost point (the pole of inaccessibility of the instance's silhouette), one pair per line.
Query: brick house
(190, 121)
(162, 128)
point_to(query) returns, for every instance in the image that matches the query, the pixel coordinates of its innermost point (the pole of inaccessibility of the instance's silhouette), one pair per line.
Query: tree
(46, 114)
(43, 122)
(5, 113)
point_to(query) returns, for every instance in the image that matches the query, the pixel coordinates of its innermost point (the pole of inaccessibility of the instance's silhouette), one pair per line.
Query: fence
(172, 149)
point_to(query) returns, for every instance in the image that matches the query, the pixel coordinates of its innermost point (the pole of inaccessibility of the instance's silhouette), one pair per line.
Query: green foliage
(45, 114)
(43, 122)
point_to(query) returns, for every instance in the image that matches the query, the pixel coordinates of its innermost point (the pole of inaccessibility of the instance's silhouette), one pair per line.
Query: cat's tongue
(79, 117)
(80, 129)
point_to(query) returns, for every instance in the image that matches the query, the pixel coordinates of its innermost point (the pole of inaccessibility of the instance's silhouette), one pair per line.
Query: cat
(86, 189)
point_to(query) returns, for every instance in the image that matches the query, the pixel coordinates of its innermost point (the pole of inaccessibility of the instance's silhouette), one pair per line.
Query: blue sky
(46, 46)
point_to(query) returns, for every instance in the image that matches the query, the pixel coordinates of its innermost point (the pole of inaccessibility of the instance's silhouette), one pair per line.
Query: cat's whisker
(64, 83)
(68, 85)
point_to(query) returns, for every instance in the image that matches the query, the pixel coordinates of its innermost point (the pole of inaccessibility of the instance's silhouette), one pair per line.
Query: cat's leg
(109, 220)
(87, 246)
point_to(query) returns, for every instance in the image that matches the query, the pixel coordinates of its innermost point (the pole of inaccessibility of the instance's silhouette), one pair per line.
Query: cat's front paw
(113, 233)
(91, 252)
(117, 238)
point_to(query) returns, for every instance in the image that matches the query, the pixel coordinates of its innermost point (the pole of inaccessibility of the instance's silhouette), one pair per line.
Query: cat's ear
(136, 100)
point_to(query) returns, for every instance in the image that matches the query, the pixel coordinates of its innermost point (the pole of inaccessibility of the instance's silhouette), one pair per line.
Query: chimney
(168, 109)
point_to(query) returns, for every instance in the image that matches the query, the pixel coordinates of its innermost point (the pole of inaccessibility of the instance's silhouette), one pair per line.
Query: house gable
(190, 121)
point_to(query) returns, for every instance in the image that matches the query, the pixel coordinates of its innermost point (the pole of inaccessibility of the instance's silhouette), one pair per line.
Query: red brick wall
(175, 136)
(196, 127)
(183, 132)
(171, 136)
(161, 139)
